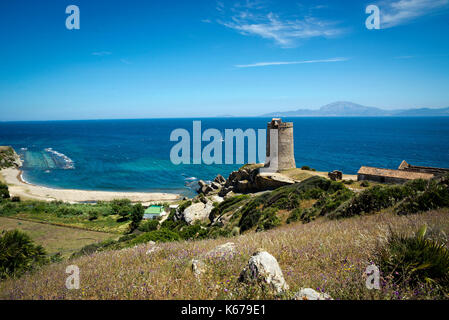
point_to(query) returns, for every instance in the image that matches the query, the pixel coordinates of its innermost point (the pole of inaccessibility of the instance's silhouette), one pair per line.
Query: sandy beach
(18, 187)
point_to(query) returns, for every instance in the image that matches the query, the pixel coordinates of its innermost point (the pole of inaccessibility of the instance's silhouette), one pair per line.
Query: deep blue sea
(134, 155)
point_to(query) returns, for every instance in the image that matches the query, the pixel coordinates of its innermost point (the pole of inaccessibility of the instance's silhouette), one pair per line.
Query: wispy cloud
(395, 13)
(264, 64)
(125, 61)
(253, 18)
(101, 53)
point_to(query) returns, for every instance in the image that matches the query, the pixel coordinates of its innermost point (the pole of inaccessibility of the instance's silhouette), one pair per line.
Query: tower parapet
(285, 149)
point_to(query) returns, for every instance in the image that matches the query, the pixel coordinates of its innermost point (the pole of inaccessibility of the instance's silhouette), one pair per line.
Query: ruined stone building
(404, 173)
(285, 155)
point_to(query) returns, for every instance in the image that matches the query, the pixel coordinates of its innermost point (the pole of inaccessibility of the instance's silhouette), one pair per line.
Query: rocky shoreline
(248, 179)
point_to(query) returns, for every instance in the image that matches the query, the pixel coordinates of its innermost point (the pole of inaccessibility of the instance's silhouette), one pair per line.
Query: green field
(54, 239)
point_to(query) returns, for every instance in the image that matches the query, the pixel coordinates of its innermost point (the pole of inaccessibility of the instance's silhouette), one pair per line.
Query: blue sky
(143, 59)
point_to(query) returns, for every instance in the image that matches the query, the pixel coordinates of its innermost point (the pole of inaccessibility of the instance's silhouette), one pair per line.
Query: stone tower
(285, 152)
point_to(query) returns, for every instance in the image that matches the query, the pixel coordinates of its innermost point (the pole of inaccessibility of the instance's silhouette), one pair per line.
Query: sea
(134, 155)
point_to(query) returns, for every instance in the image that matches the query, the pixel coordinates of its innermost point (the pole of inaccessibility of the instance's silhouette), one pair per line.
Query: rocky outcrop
(310, 294)
(264, 269)
(197, 212)
(247, 179)
(9, 158)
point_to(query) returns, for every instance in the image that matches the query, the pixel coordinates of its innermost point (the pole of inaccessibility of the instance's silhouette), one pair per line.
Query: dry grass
(325, 255)
(53, 238)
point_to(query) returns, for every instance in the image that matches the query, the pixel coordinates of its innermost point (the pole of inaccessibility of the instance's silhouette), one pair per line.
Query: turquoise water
(134, 155)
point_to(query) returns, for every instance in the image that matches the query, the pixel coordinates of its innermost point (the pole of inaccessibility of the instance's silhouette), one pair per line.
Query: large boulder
(263, 268)
(197, 212)
(310, 294)
(220, 179)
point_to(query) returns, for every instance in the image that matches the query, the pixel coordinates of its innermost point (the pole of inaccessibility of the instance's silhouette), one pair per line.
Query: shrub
(435, 195)
(64, 211)
(162, 235)
(148, 225)
(184, 205)
(193, 232)
(92, 215)
(15, 199)
(19, 254)
(137, 212)
(305, 168)
(371, 200)
(295, 215)
(227, 205)
(365, 184)
(414, 260)
(250, 216)
(121, 207)
(4, 192)
(269, 219)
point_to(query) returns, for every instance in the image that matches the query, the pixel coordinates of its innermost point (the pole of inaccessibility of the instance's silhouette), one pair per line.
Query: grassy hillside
(326, 255)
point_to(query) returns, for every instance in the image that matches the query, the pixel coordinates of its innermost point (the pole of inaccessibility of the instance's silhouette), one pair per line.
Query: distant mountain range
(349, 109)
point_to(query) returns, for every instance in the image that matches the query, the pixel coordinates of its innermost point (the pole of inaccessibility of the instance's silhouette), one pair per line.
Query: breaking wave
(61, 160)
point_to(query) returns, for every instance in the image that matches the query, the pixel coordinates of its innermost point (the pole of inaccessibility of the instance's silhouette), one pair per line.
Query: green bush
(294, 216)
(305, 168)
(162, 235)
(92, 215)
(137, 212)
(227, 205)
(250, 216)
(365, 184)
(371, 200)
(4, 192)
(435, 195)
(66, 211)
(184, 205)
(148, 225)
(414, 260)
(269, 219)
(19, 254)
(121, 207)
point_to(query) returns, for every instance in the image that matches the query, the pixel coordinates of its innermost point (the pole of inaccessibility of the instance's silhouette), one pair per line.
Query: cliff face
(9, 158)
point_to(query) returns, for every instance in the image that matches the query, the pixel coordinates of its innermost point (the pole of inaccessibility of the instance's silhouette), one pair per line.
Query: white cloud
(264, 64)
(252, 18)
(395, 13)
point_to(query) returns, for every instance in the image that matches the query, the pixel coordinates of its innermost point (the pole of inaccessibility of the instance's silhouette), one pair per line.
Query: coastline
(18, 186)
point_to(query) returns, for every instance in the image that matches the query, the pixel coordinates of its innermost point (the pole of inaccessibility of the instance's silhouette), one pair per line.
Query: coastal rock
(264, 268)
(220, 179)
(310, 294)
(216, 198)
(197, 212)
(9, 158)
(215, 185)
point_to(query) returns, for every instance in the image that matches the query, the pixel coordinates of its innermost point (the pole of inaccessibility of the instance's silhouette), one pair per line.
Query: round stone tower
(285, 149)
